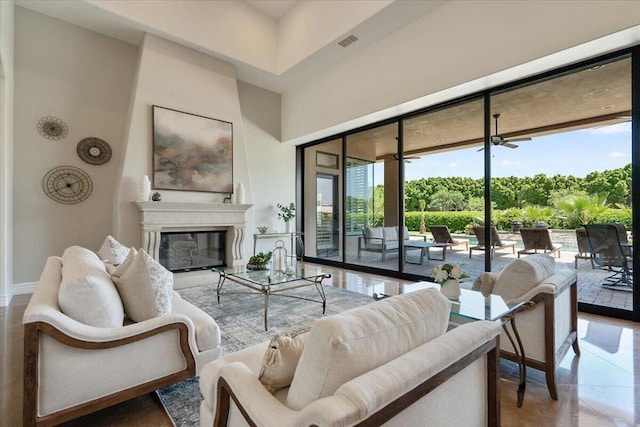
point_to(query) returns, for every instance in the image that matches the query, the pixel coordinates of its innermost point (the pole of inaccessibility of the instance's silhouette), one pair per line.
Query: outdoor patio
(590, 280)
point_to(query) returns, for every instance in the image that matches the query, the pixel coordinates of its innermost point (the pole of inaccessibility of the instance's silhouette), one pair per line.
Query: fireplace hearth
(187, 220)
(199, 250)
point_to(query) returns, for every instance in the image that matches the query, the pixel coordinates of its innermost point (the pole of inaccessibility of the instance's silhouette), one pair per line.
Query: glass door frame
(633, 52)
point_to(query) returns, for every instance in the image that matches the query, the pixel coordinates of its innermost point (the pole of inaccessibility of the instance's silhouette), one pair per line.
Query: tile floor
(596, 389)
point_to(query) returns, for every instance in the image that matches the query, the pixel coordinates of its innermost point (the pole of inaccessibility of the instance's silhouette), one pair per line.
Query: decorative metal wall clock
(52, 128)
(67, 184)
(94, 151)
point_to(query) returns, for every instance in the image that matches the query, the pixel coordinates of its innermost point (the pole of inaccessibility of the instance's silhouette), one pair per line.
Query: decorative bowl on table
(255, 267)
(262, 229)
(259, 261)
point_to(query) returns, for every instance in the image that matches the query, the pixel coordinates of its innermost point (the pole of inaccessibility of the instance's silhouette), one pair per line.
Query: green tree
(583, 210)
(447, 201)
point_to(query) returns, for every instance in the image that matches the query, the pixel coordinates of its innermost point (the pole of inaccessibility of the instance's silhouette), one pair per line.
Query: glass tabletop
(269, 277)
(475, 306)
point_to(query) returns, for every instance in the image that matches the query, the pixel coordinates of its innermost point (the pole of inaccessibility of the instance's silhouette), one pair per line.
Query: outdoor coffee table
(277, 284)
(424, 247)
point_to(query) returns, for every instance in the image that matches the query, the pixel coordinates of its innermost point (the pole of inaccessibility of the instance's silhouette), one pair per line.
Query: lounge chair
(441, 234)
(496, 242)
(610, 254)
(584, 251)
(538, 239)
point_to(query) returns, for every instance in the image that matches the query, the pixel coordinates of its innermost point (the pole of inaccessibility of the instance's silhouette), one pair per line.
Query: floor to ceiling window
(409, 194)
(371, 211)
(561, 162)
(323, 200)
(443, 186)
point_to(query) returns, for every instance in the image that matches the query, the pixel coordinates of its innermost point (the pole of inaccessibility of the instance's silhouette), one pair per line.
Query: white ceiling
(274, 8)
(369, 20)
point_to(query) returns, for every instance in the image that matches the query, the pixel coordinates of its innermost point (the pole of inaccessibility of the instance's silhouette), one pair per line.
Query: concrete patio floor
(590, 280)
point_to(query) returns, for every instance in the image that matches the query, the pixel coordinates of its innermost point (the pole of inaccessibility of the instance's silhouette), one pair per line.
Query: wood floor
(596, 389)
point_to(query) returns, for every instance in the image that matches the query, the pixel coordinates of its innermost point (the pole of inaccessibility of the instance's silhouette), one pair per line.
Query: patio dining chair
(441, 234)
(496, 241)
(538, 239)
(584, 251)
(608, 254)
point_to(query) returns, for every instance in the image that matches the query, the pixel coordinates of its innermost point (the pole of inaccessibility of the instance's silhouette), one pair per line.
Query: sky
(574, 153)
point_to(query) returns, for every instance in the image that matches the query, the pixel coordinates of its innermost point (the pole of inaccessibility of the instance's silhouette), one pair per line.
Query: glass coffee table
(274, 284)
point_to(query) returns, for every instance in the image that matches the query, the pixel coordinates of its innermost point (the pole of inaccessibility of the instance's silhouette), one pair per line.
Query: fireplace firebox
(188, 251)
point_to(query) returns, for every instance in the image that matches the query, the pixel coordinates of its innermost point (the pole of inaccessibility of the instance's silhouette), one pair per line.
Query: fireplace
(198, 250)
(226, 221)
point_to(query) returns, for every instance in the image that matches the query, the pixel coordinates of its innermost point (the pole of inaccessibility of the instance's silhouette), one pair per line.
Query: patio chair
(584, 251)
(608, 253)
(538, 239)
(496, 242)
(441, 234)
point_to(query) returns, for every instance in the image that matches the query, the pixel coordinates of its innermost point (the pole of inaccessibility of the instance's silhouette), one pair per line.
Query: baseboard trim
(5, 300)
(24, 288)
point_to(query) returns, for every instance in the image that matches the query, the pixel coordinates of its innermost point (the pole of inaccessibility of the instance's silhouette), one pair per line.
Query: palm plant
(423, 227)
(583, 209)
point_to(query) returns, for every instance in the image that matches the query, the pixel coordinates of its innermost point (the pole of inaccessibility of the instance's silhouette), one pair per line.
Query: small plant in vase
(287, 213)
(449, 275)
(259, 261)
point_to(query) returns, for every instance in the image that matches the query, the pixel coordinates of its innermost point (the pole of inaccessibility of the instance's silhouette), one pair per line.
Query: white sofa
(72, 368)
(551, 327)
(390, 362)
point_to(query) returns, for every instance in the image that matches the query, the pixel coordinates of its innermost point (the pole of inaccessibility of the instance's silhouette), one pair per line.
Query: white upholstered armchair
(550, 328)
(72, 368)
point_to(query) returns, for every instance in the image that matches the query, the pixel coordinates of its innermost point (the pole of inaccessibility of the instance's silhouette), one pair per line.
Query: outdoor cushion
(382, 331)
(522, 275)
(86, 292)
(390, 234)
(373, 233)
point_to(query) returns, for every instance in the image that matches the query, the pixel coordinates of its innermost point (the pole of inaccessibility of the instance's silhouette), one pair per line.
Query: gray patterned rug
(240, 318)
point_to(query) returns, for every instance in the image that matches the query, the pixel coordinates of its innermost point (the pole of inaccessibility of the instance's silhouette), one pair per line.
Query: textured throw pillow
(112, 251)
(146, 288)
(484, 283)
(119, 271)
(281, 358)
(86, 292)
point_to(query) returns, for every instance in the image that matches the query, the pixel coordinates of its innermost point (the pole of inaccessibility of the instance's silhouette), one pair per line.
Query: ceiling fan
(498, 139)
(407, 159)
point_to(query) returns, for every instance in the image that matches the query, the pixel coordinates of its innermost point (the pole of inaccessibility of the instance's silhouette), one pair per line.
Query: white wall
(457, 43)
(271, 163)
(85, 79)
(6, 149)
(176, 77)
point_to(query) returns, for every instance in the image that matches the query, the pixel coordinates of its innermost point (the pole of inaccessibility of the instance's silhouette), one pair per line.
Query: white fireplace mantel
(159, 217)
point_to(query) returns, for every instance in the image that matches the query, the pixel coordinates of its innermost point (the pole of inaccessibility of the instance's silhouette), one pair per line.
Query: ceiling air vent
(348, 40)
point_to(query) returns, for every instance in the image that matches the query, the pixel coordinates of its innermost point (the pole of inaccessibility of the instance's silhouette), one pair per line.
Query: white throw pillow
(145, 288)
(112, 251)
(281, 358)
(119, 271)
(521, 275)
(343, 346)
(86, 292)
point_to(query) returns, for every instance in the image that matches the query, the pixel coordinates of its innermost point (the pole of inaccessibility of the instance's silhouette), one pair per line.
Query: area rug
(240, 318)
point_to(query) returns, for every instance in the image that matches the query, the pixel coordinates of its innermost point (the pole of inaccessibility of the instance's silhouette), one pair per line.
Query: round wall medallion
(94, 151)
(52, 128)
(67, 184)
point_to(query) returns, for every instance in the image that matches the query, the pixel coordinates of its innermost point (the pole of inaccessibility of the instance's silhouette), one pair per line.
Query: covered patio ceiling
(593, 97)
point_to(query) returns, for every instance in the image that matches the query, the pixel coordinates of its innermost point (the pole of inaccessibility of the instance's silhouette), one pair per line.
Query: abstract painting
(191, 152)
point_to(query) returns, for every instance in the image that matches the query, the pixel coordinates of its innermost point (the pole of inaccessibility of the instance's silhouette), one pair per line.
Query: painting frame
(191, 152)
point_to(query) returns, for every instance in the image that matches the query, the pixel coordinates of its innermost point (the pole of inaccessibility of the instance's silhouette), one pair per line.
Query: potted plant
(259, 261)
(287, 213)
